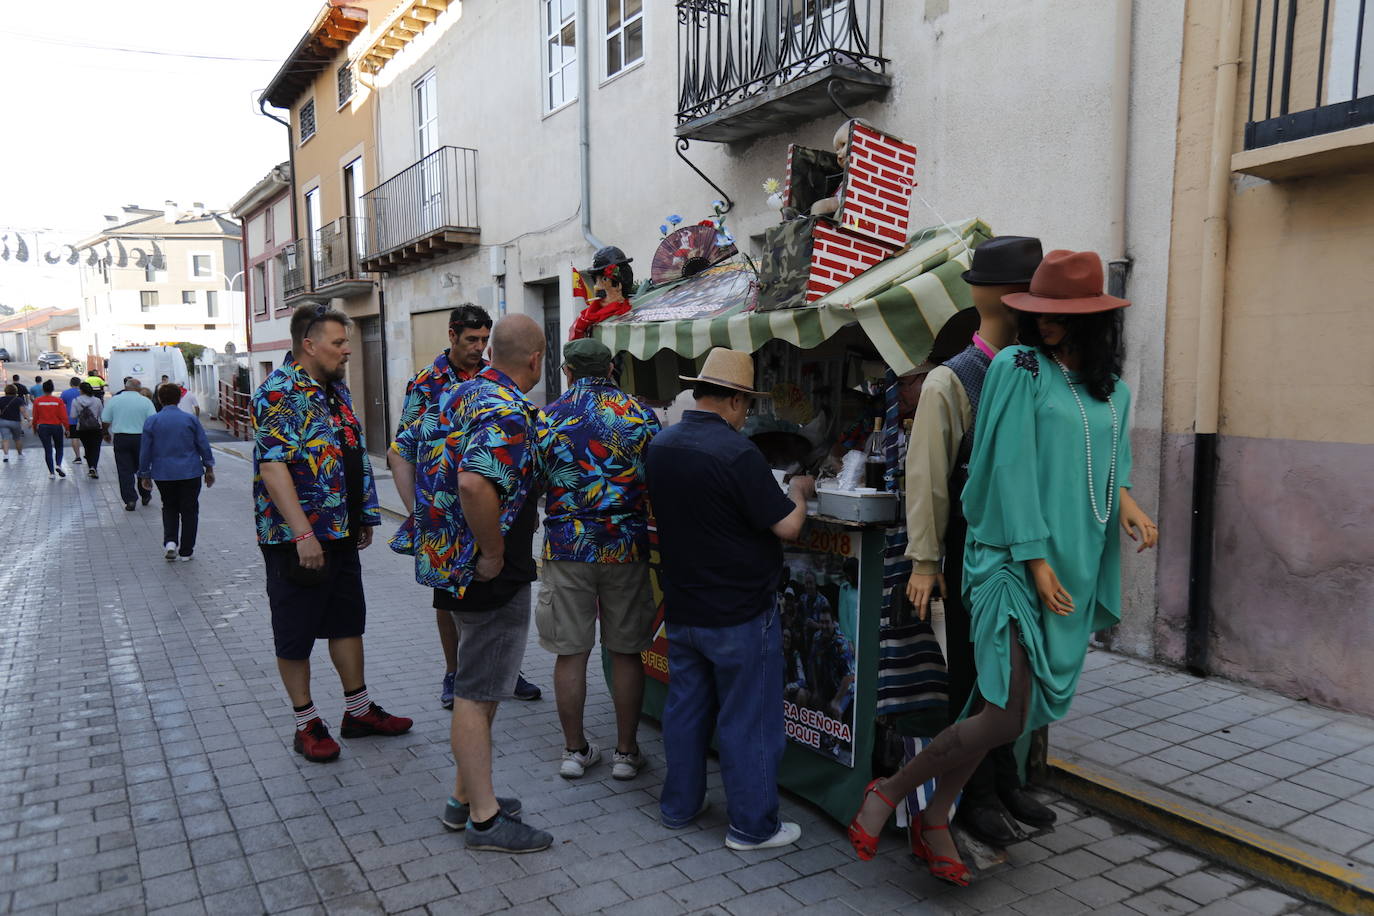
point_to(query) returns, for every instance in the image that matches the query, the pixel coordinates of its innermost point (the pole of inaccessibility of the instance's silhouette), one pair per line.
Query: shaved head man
(482, 573)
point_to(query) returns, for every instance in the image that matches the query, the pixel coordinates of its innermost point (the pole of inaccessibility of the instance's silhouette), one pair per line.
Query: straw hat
(728, 369)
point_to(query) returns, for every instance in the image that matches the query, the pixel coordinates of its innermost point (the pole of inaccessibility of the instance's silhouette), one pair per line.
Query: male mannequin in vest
(936, 468)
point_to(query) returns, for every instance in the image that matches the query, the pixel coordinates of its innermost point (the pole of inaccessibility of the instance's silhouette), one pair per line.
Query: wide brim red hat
(1066, 283)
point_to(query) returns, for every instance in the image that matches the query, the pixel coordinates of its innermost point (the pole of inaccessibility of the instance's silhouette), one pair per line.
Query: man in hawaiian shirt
(478, 556)
(596, 550)
(469, 329)
(316, 507)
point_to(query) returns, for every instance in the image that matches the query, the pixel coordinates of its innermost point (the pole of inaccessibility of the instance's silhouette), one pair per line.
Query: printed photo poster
(818, 593)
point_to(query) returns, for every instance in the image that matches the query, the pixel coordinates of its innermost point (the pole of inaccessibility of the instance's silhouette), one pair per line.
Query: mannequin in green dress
(1048, 484)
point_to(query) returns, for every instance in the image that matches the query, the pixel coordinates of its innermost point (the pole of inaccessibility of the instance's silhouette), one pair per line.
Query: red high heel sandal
(946, 869)
(865, 844)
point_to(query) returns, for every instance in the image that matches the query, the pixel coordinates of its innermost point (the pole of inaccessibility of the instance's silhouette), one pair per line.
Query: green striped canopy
(900, 303)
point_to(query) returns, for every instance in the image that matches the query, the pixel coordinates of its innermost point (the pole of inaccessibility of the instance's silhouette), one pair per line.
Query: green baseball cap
(586, 356)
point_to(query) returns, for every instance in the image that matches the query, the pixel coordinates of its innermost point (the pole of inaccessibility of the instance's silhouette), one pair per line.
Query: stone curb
(1265, 854)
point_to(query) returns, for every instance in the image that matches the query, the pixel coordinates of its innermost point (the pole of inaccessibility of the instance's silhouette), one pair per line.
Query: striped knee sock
(357, 703)
(304, 714)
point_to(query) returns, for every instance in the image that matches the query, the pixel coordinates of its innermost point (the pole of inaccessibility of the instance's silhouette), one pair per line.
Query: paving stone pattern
(1282, 764)
(145, 764)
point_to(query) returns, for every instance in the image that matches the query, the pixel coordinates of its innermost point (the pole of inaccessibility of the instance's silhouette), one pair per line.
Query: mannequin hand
(1054, 595)
(920, 589)
(1137, 525)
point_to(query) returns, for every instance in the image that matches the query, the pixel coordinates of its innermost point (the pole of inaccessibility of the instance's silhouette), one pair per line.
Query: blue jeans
(728, 679)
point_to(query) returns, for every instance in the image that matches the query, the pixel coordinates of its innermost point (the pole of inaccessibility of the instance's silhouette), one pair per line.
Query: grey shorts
(491, 648)
(573, 595)
(12, 430)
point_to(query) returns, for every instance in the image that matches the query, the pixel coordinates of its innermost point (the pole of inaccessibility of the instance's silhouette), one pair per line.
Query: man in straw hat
(937, 466)
(721, 522)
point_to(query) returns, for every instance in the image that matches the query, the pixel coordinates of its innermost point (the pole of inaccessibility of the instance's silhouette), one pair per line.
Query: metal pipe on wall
(584, 122)
(1118, 263)
(1207, 407)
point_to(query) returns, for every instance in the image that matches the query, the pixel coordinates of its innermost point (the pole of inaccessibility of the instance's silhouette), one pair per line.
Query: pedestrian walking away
(13, 413)
(937, 466)
(414, 468)
(1042, 562)
(175, 454)
(123, 418)
(70, 394)
(86, 411)
(481, 566)
(721, 522)
(36, 389)
(596, 551)
(316, 506)
(50, 424)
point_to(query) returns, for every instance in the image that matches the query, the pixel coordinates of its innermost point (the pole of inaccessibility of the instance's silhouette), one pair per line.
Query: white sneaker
(576, 763)
(788, 833)
(185, 559)
(169, 550)
(627, 766)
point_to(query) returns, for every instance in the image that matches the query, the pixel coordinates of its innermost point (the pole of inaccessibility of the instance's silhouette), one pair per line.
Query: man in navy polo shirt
(721, 522)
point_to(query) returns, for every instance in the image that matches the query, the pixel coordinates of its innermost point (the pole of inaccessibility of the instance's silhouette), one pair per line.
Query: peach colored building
(1267, 352)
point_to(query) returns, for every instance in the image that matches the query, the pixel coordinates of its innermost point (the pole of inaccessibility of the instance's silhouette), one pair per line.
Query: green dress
(1027, 497)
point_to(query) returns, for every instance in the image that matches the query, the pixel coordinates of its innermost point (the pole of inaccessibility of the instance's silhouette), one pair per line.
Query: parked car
(5, 356)
(53, 360)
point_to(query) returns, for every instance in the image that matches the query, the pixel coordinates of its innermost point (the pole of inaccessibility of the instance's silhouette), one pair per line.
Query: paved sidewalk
(145, 765)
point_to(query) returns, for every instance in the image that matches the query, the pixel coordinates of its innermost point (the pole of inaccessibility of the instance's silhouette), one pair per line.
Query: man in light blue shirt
(175, 455)
(123, 418)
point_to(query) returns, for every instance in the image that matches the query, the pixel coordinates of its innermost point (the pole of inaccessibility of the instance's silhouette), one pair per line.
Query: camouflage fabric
(785, 265)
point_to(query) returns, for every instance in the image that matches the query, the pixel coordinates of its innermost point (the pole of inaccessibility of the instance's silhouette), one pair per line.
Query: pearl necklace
(1102, 519)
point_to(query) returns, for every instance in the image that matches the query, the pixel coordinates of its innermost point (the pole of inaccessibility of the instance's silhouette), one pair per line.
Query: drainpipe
(584, 79)
(1207, 408)
(1118, 263)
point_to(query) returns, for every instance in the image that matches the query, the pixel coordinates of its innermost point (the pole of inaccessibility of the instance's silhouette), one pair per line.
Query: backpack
(86, 418)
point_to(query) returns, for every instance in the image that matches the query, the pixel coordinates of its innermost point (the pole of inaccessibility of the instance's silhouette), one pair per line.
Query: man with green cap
(596, 550)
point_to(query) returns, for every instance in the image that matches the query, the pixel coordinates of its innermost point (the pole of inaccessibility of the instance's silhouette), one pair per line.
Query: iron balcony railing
(1310, 71)
(294, 279)
(732, 50)
(435, 194)
(334, 251)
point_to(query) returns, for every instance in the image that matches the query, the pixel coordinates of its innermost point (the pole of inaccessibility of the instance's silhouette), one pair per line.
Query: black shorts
(301, 614)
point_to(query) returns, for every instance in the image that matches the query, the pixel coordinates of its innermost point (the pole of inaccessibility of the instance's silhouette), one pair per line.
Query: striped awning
(900, 303)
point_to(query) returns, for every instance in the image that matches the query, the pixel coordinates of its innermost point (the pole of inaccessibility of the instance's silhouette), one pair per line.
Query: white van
(147, 364)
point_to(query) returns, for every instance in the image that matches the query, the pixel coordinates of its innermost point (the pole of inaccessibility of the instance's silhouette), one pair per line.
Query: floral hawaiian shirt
(593, 448)
(294, 425)
(419, 424)
(491, 429)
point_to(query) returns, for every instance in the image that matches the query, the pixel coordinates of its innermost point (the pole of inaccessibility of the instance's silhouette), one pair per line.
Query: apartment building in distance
(162, 276)
(333, 162)
(265, 215)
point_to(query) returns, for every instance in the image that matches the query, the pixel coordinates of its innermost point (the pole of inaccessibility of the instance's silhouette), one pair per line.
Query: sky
(90, 129)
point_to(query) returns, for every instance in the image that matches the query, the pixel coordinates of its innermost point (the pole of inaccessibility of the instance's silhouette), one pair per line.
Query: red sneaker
(314, 743)
(376, 721)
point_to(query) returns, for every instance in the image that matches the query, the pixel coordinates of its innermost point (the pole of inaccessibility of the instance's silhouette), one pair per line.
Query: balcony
(1309, 77)
(427, 210)
(334, 260)
(294, 280)
(752, 67)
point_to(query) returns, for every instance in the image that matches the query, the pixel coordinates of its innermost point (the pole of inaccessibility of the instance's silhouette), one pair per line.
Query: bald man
(482, 569)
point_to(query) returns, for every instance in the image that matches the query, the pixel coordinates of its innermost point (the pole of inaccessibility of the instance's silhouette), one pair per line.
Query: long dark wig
(1096, 339)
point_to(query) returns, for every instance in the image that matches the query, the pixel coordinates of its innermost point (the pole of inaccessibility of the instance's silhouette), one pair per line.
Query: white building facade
(162, 276)
(488, 114)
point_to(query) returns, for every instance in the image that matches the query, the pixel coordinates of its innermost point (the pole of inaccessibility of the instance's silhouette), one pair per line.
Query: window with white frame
(212, 303)
(426, 116)
(260, 290)
(202, 266)
(624, 34)
(147, 298)
(188, 297)
(307, 121)
(344, 78)
(560, 52)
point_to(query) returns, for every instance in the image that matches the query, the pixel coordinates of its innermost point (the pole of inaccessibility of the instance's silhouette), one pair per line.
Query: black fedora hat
(610, 256)
(1004, 261)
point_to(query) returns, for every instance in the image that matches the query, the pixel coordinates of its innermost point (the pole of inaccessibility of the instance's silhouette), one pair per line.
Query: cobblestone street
(146, 763)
